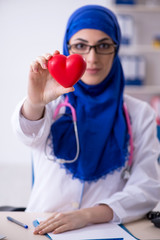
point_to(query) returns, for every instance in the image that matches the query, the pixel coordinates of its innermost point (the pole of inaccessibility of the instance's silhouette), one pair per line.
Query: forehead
(91, 35)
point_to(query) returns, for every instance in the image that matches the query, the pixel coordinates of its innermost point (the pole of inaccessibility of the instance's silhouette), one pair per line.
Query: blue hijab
(101, 123)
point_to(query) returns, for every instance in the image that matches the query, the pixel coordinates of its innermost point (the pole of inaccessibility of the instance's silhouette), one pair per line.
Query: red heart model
(66, 70)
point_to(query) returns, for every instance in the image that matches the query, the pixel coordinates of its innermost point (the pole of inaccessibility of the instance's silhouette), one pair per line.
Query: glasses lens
(105, 48)
(80, 48)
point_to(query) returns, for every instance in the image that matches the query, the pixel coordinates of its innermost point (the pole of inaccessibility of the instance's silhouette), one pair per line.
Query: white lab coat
(54, 190)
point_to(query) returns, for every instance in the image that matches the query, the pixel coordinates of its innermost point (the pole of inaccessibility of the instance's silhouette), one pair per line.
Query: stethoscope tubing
(126, 171)
(130, 134)
(74, 119)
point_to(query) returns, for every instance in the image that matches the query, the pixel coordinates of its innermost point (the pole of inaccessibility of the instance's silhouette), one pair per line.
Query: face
(98, 65)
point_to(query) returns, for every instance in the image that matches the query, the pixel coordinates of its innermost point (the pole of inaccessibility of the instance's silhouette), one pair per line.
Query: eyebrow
(101, 40)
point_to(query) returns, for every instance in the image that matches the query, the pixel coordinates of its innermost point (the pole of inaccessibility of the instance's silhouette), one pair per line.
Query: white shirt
(55, 190)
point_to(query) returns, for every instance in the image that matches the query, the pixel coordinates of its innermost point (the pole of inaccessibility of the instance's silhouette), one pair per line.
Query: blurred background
(30, 28)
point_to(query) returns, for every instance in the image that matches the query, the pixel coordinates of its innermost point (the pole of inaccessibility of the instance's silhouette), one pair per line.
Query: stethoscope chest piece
(126, 173)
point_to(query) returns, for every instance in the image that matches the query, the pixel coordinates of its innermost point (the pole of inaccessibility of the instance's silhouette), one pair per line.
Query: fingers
(56, 228)
(66, 90)
(41, 62)
(61, 222)
(57, 223)
(44, 224)
(62, 229)
(56, 52)
(45, 227)
(50, 224)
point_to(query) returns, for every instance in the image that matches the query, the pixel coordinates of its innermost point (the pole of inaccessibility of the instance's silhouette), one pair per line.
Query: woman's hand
(62, 222)
(42, 88)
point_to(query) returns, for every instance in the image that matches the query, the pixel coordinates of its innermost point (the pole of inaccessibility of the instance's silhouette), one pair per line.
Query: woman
(91, 189)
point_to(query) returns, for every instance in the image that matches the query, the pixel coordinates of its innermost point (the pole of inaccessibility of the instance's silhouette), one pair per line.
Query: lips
(92, 70)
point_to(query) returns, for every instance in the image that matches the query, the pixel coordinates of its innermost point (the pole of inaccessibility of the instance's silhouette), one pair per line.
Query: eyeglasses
(102, 48)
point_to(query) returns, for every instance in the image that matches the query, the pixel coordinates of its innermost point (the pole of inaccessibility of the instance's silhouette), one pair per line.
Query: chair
(7, 208)
(12, 209)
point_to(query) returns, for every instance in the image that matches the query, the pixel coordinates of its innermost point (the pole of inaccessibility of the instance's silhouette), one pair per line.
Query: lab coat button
(75, 205)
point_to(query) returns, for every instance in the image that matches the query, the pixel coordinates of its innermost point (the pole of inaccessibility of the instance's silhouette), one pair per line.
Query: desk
(15, 232)
(142, 229)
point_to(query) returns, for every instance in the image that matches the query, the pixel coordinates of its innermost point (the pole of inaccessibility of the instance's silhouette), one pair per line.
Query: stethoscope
(74, 120)
(126, 171)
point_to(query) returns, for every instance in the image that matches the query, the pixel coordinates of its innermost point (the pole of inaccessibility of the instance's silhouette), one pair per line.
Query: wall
(27, 29)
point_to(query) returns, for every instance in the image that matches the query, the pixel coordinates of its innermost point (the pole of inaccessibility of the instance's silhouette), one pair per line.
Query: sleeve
(33, 133)
(141, 192)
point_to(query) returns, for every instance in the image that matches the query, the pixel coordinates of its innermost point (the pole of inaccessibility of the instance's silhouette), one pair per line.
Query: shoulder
(143, 117)
(138, 108)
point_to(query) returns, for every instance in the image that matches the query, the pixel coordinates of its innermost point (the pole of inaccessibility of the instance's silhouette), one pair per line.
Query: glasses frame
(94, 47)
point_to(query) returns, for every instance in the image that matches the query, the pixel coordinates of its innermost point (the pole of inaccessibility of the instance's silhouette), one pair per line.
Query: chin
(91, 81)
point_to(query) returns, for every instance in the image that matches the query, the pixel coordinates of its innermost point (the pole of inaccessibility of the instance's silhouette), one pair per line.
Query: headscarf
(101, 123)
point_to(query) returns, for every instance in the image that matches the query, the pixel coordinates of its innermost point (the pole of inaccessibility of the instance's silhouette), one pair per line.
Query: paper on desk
(96, 231)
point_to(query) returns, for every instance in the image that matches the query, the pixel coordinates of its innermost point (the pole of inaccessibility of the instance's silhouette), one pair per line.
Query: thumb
(67, 90)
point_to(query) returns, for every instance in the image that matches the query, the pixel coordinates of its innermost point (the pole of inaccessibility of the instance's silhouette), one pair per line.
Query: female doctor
(105, 169)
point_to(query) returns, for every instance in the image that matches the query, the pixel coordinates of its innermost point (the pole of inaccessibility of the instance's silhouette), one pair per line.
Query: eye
(80, 46)
(103, 46)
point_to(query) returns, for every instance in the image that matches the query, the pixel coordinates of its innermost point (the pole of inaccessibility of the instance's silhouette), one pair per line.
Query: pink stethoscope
(126, 171)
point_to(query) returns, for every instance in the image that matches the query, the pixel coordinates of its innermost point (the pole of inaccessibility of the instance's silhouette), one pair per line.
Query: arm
(142, 191)
(32, 118)
(61, 222)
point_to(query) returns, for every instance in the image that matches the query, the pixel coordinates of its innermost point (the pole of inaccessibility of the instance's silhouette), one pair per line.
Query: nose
(91, 56)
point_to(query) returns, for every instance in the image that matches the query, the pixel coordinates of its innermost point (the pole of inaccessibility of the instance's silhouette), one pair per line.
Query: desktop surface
(13, 231)
(142, 229)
